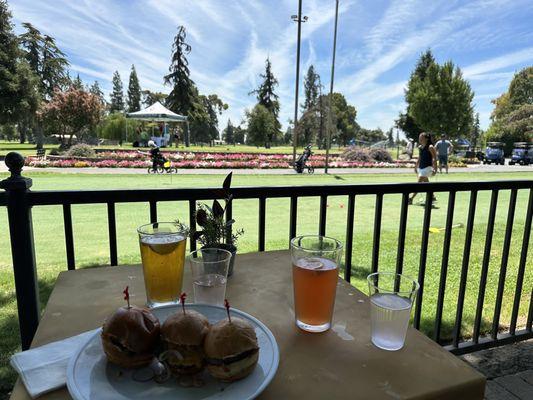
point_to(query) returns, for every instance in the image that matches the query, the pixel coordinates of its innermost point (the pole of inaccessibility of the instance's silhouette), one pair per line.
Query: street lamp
(328, 141)
(297, 18)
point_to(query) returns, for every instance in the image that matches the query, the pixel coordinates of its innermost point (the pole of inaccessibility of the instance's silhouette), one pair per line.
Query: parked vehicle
(494, 153)
(522, 154)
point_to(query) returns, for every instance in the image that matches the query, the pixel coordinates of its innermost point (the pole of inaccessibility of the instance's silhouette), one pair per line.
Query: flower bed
(189, 160)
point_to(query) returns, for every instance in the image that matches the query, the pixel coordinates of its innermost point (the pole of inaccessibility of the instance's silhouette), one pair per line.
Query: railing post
(22, 248)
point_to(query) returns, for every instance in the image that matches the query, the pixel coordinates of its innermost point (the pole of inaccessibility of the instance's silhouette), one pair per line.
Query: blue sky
(379, 42)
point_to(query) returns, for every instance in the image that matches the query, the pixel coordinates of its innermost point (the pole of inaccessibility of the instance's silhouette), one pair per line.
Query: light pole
(328, 141)
(297, 18)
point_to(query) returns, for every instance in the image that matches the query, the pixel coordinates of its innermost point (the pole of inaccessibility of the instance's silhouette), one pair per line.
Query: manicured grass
(91, 242)
(28, 149)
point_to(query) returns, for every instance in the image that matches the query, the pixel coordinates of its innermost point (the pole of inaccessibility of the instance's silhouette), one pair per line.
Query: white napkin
(44, 368)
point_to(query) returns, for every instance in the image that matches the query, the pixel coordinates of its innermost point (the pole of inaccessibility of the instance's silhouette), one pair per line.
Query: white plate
(91, 377)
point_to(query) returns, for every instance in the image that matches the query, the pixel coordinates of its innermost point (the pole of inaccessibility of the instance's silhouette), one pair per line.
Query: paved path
(287, 171)
(509, 370)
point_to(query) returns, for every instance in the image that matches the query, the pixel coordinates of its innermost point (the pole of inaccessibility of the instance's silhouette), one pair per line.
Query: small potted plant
(215, 229)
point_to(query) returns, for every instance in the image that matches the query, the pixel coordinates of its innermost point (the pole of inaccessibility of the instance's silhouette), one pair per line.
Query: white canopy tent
(157, 112)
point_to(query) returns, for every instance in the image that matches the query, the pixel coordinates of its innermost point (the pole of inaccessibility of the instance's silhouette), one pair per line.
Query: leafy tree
(521, 88)
(71, 112)
(95, 89)
(182, 95)
(405, 121)
(228, 134)
(343, 122)
(442, 101)
(515, 127)
(77, 83)
(267, 97)
(308, 128)
(150, 97)
(408, 125)
(513, 111)
(312, 90)
(370, 135)
(117, 96)
(390, 137)
(287, 136)
(134, 91)
(203, 119)
(261, 126)
(239, 134)
(9, 132)
(476, 133)
(46, 60)
(19, 96)
(116, 125)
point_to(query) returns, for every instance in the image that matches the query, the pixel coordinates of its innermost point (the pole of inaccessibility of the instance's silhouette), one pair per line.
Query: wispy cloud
(378, 44)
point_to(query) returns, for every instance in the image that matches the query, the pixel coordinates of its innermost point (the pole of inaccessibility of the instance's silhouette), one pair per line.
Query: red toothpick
(183, 296)
(127, 295)
(226, 304)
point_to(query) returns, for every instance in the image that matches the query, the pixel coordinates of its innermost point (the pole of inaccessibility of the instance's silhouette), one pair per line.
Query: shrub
(354, 153)
(381, 155)
(54, 152)
(81, 150)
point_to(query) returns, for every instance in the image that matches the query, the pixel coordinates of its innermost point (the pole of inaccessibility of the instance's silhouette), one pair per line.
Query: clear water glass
(209, 275)
(391, 300)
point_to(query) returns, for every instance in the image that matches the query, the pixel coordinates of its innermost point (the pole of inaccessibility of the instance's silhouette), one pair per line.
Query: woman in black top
(426, 165)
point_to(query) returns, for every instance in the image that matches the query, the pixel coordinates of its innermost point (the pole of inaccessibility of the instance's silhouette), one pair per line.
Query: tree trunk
(38, 135)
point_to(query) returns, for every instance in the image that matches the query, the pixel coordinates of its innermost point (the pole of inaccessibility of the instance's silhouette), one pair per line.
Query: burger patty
(116, 342)
(231, 359)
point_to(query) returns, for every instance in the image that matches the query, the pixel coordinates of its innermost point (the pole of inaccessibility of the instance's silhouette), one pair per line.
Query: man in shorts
(444, 148)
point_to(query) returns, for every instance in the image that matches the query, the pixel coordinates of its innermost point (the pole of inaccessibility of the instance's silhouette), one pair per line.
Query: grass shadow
(10, 334)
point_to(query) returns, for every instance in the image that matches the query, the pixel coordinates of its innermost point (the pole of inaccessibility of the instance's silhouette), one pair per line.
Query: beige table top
(340, 363)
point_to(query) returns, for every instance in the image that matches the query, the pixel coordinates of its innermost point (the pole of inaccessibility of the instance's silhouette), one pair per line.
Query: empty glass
(391, 299)
(210, 275)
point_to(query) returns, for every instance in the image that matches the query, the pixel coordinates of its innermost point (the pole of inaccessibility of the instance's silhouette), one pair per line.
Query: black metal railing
(19, 201)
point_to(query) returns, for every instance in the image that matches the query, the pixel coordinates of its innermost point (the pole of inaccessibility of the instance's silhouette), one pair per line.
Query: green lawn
(91, 242)
(28, 149)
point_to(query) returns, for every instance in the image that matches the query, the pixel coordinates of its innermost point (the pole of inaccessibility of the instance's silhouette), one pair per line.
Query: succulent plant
(216, 229)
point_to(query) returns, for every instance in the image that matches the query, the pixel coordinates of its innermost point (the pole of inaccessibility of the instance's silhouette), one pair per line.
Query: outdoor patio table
(340, 363)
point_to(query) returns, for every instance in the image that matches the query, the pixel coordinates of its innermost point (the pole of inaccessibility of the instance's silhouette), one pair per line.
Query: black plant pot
(229, 247)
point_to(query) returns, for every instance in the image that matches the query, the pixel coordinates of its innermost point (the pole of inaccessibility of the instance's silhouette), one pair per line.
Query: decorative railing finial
(15, 162)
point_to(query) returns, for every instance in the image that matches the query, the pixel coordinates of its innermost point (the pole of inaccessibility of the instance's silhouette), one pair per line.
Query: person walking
(426, 165)
(410, 147)
(444, 149)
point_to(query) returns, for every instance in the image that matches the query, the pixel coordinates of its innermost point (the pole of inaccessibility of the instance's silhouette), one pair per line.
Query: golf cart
(494, 153)
(522, 154)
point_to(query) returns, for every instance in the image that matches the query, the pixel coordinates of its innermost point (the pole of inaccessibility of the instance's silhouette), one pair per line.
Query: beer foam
(161, 239)
(316, 263)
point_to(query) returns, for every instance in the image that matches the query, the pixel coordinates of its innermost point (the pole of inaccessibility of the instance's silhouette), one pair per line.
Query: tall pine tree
(134, 92)
(181, 96)
(228, 134)
(117, 95)
(77, 83)
(95, 89)
(19, 95)
(311, 89)
(269, 99)
(46, 60)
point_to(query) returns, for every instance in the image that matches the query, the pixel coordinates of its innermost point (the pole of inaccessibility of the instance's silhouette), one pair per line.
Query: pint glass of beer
(315, 270)
(163, 255)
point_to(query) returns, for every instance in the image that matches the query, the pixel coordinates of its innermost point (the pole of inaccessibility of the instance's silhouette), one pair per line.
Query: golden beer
(163, 256)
